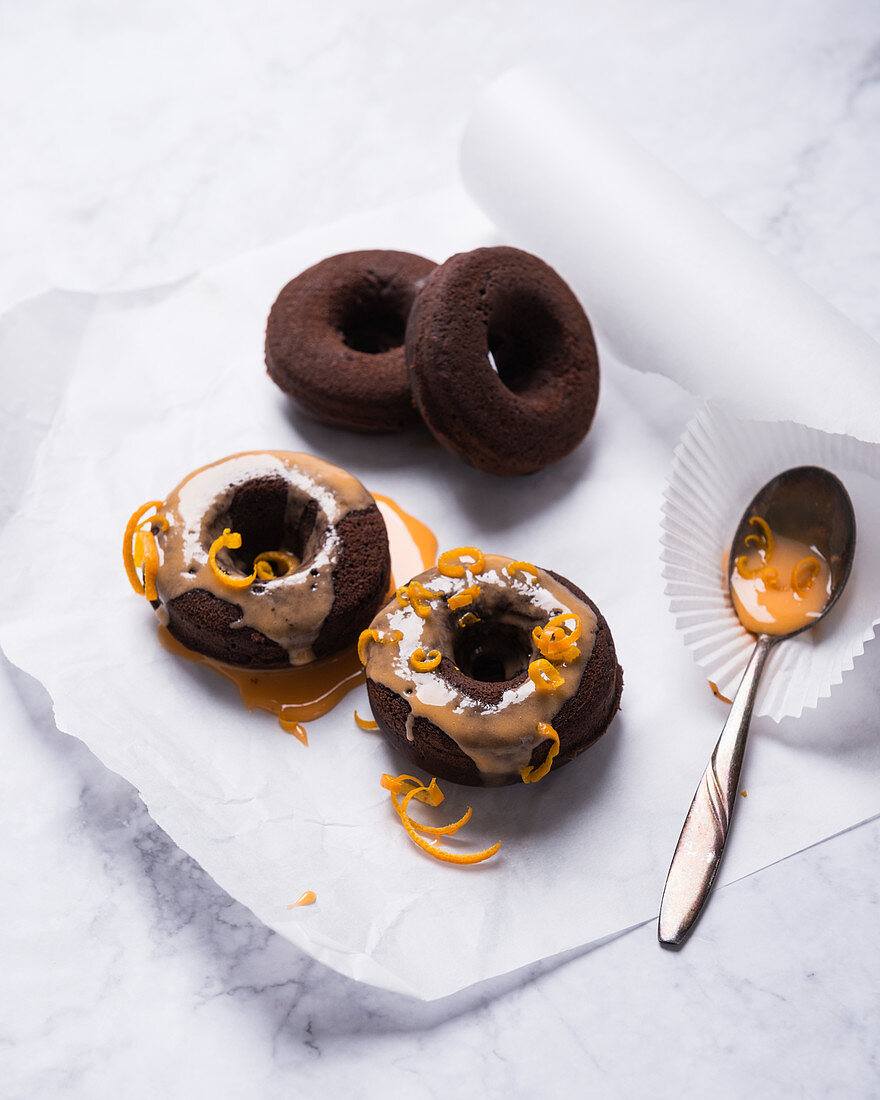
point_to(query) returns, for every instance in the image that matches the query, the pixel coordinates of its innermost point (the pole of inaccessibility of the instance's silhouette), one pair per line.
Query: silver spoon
(810, 505)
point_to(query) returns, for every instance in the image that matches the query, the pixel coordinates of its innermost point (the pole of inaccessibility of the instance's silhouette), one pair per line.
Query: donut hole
(492, 652)
(373, 323)
(521, 334)
(269, 516)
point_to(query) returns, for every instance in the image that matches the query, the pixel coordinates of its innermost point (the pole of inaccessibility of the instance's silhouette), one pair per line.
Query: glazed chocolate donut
(493, 676)
(334, 339)
(536, 403)
(265, 559)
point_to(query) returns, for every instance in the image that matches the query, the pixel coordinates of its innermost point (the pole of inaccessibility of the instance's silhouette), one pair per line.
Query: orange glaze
(413, 545)
(296, 695)
(300, 694)
(772, 604)
(304, 899)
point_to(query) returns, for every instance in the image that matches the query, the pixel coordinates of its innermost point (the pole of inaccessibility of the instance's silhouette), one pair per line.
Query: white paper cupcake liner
(718, 466)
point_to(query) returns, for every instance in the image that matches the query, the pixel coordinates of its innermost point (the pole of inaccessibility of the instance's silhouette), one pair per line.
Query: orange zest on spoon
(780, 584)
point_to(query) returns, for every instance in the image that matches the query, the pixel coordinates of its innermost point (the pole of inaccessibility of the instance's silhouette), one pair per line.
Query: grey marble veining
(147, 141)
(131, 966)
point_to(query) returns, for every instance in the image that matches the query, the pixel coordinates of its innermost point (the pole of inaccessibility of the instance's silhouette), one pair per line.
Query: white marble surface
(144, 141)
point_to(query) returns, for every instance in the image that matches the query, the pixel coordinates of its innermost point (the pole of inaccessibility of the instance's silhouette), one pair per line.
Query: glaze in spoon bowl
(806, 506)
(790, 558)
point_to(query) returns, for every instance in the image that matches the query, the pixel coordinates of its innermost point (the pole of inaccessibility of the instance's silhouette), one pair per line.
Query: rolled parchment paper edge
(671, 284)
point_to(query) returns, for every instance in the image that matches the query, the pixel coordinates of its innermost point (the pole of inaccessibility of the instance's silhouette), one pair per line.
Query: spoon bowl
(807, 505)
(791, 557)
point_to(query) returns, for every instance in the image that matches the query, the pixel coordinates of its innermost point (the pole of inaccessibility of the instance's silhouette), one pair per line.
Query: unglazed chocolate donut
(486, 671)
(264, 560)
(334, 339)
(536, 404)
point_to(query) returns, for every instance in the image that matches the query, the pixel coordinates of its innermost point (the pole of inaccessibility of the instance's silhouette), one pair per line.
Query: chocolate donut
(264, 560)
(536, 403)
(495, 675)
(334, 339)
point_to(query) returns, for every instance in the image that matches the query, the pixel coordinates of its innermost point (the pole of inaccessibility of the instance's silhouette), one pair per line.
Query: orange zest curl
(432, 796)
(450, 564)
(742, 567)
(558, 623)
(432, 847)
(365, 723)
(133, 545)
(366, 636)
(231, 540)
(569, 655)
(545, 676)
(762, 570)
(802, 576)
(463, 598)
(146, 556)
(764, 540)
(272, 564)
(532, 775)
(468, 619)
(520, 567)
(398, 784)
(372, 635)
(423, 662)
(765, 573)
(555, 642)
(418, 597)
(804, 573)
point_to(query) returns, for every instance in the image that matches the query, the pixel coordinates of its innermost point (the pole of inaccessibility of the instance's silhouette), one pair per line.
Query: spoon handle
(706, 826)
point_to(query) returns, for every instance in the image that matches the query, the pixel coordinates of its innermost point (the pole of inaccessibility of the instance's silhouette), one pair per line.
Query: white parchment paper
(161, 383)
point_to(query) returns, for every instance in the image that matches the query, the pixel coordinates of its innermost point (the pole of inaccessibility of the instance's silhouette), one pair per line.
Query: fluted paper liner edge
(719, 464)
